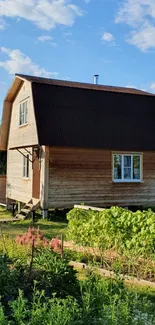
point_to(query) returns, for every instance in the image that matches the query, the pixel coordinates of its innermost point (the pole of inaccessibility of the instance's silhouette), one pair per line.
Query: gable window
(23, 113)
(26, 166)
(127, 167)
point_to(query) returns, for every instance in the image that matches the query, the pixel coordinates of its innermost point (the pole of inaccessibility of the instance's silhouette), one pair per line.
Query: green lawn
(4, 213)
(49, 229)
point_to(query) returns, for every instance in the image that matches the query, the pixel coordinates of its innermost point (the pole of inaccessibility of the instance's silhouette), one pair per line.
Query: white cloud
(131, 12)
(46, 14)
(48, 39)
(2, 82)
(68, 34)
(130, 86)
(107, 37)
(68, 37)
(140, 15)
(2, 24)
(45, 38)
(17, 62)
(153, 87)
(134, 87)
(144, 38)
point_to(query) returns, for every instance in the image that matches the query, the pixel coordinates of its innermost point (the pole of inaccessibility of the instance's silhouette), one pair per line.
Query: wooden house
(2, 177)
(70, 142)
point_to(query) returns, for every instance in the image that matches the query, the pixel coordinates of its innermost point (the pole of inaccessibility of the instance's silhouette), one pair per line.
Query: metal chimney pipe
(96, 79)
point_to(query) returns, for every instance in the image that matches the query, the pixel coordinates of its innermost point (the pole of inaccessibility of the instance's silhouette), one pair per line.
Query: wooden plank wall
(18, 188)
(2, 189)
(85, 176)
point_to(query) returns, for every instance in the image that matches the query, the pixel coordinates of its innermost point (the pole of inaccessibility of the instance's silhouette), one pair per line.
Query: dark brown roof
(82, 117)
(81, 85)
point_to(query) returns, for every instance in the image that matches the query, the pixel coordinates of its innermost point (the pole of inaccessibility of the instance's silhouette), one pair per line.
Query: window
(26, 166)
(23, 113)
(127, 167)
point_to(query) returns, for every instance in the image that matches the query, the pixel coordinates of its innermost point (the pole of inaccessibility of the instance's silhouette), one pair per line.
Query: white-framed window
(26, 166)
(127, 167)
(23, 113)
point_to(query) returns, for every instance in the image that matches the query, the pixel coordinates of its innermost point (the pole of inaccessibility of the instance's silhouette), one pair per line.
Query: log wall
(85, 176)
(2, 189)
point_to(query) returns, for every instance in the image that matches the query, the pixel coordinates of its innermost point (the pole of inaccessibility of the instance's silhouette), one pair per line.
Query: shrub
(51, 274)
(56, 275)
(9, 277)
(18, 253)
(35, 236)
(113, 228)
(101, 301)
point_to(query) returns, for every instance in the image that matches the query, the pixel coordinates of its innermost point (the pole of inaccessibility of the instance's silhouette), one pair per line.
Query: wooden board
(85, 176)
(36, 177)
(2, 189)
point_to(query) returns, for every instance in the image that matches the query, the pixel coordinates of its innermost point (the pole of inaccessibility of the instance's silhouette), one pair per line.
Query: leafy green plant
(3, 320)
(35, 236)
(8, 280)
(18, 253)
(113, 228)
(56, 275)
(99, 301)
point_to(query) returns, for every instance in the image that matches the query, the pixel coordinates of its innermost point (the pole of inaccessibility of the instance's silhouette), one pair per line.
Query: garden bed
(111, 274)
(112, 261)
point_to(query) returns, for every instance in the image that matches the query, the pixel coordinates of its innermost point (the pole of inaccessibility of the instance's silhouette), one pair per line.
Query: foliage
(9, 277)
(19, 253)
(56, 275)
(49, 272)
(3, 159)
(102, 301)
(50, 229)
(113, 228)
(35, 236)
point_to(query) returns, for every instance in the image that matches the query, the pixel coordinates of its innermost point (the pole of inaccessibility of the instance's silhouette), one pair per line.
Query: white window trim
(20, 126)
(27, 163)
(128, 180)
(21, 102)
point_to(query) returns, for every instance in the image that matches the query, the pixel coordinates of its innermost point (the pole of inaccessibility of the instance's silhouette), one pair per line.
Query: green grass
(4, 213)
(49, 229)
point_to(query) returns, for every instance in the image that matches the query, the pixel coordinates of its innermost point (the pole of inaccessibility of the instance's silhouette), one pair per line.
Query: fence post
(62, 246)
(13, 209)
(33, 216)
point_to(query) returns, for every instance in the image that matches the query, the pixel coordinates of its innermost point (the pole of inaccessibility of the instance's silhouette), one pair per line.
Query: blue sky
(74, 39)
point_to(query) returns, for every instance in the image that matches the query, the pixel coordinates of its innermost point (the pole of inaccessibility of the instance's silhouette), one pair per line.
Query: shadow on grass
(37, 224)
(49, 228)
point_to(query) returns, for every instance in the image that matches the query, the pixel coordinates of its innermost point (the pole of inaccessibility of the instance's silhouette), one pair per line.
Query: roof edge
(6, 113)
(82, 85)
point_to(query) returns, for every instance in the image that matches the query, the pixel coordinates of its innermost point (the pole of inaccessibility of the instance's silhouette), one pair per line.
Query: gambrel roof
(91, 116)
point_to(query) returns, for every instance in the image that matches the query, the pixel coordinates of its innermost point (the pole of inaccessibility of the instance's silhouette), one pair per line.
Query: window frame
(26, 167)
(25, 112)
(124, 180)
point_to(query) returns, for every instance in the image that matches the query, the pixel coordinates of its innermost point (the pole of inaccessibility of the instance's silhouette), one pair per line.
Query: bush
(35, 237)
(9, 277)
(48, 296)
(113, 228)
(56, 276)
(17, 252)
(41, 311)
(103, 301)
(50, 273)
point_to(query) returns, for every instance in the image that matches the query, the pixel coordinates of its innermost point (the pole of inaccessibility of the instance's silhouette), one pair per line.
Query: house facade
(2, 177)
(69, 143)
